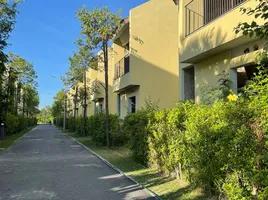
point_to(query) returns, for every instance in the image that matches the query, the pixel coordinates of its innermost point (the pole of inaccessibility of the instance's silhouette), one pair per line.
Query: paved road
(47, 164)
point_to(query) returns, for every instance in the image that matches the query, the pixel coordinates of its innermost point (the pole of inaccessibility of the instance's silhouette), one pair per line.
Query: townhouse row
(169, 50)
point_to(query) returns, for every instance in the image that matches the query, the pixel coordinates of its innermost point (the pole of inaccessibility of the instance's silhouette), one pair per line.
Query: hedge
(15, 124)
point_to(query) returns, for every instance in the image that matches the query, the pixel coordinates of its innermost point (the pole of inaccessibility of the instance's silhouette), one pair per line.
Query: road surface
(47, 164)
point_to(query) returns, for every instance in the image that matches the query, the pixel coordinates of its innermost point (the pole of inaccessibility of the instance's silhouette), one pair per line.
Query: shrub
(70, 124)
(135, 126)
(11, 124)
(22, 123)
(96, 128)
(79, 125)
(218, 140)
(166, 141)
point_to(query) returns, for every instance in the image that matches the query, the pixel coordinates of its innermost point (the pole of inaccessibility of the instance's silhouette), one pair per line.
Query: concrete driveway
(47, 164)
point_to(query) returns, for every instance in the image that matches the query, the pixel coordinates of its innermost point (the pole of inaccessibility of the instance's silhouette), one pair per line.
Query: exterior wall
(124, 109)
(215, 48)
(207, 71)
(153, 43)
(154, 51)
(217, 36)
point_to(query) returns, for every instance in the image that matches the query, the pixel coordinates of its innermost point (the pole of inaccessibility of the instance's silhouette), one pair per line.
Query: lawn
(10, 139)
(163, 186)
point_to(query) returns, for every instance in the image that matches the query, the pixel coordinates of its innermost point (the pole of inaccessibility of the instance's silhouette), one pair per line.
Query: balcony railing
(122, 67)
(199, 13)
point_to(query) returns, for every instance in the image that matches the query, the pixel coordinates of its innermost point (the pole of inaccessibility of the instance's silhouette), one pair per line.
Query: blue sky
(45, 32)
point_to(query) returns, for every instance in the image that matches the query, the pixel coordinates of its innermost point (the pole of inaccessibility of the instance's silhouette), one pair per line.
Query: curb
(117, 169)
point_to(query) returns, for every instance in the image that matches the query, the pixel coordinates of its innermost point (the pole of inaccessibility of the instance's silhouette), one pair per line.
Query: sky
(44, 34)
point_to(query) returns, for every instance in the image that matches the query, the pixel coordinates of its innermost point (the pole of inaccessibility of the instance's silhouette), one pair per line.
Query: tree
(45, 115)
(79, 64)
(30, 101)
(99, 26)
(23, 72)
(19, 73)
(8, 12)
(254, 29)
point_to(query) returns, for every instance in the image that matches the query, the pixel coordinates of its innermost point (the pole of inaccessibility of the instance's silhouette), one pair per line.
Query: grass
(164, 186)
(10, 139)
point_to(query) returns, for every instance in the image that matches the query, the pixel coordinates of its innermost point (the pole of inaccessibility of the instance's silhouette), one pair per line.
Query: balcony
(122, 78)
(96, 90)
(209, 28)
(199, 13)
(122, 67)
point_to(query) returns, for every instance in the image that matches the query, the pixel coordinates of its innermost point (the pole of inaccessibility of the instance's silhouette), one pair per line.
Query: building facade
(209, 47)
(146, 57)
(170, 50)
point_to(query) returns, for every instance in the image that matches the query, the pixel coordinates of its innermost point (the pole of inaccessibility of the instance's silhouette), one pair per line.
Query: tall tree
(30, 100)
(99, 26)
(58, 105)
(80, 62)
(24, 73)
(8, 12)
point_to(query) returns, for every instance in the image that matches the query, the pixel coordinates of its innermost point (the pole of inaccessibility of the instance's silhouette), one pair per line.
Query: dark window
(100, 107)
(189, 83)
(126, 65)
(132, 101)
(244, 74)
(119, 105)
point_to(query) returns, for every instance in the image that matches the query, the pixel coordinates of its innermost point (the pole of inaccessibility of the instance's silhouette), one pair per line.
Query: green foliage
(45, 115)
(135, 126)
(58, 105)
(220, 142)
(15, 124)
(7, 20)
(98, 25)
(166, 141)
(79, 125)
(96, 129)
(98, 28)
(233, 190)
(220, 91)
(11, 124)
(70, 124)
(254, 29)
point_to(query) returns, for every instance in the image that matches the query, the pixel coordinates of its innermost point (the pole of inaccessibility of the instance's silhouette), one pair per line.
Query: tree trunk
(85, 102)
(23, 102)
(105, 45)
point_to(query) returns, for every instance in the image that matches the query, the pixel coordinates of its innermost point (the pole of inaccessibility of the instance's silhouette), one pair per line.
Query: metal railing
(122, 67)
(198, 13)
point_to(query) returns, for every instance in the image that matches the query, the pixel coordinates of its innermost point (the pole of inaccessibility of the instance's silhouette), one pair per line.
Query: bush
(96, 128)
(166, 141)
(218, 140)
(15, 124)
(11, 124)
(78, 125)
(70, 124)
(135, 126)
